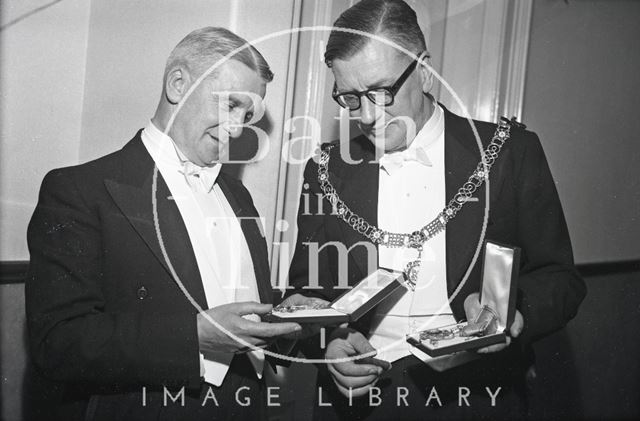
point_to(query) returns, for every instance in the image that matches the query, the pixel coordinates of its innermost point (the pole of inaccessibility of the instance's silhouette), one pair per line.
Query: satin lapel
(358, 188)
(135, 202)
(463, 232)
(249, 221)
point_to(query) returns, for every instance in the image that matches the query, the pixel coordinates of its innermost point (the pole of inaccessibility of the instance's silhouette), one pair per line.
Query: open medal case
(498, 299)
(349, 306)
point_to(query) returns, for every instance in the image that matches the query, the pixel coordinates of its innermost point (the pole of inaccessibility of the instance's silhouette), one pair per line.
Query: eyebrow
(380, 82)
(240, 99)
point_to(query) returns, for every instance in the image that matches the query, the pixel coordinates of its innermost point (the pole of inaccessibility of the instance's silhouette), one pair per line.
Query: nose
(234, 129)
(234, 124)
(367, 111)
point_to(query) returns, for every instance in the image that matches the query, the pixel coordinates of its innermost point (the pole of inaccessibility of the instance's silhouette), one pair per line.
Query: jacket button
(142, 293)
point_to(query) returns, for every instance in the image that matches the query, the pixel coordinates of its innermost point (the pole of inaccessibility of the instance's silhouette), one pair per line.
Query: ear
(426, 75)
(177, 83)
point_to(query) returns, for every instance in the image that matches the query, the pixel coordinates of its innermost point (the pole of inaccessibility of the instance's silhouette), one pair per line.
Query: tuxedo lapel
(249, 221)
(134, 193)
(358, 185)
(463, 232)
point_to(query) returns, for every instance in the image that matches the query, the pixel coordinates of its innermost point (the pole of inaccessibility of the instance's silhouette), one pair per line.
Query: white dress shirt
(411, 193)
(221, 251)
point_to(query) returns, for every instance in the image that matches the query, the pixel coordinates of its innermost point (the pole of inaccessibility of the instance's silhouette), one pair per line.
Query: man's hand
(358, 375)
(229, 316)
(308, 329)
(472, 307)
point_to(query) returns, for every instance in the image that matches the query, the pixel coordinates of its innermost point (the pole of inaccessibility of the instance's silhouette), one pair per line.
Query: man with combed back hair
(125, 250)
(411, 159)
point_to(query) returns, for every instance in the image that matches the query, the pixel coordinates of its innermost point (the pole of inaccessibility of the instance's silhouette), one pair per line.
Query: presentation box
(349, 306)
(498, 299)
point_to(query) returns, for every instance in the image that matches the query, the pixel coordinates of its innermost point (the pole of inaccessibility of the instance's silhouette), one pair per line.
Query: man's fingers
(517, 325)
(360, 344)
(353, 369)
(472, 305)
(343, 348)
(351, 381)
(515, 330)
(494, 348)
(258, 345)
(248, 307)
(354, 392)
(270, 330)
(385, 365)
(491, 349)
(358, 376)
(307, 331)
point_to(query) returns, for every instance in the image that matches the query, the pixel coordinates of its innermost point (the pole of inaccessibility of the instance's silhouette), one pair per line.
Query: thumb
(361, 345)
(249, 307)
(472, 305)
(517, 325)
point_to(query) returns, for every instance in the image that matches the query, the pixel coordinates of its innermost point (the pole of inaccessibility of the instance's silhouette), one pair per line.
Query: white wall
(262, 178)
(42, 71)
(129, 44)
(81, 77)
(582, 99)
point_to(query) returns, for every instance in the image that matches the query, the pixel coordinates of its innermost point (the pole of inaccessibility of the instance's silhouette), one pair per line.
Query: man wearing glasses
(413, 157)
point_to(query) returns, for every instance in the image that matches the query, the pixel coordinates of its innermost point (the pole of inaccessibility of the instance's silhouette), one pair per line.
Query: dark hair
(393, 19)
(199, 48)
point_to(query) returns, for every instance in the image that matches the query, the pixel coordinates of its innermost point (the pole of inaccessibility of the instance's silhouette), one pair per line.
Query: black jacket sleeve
(73, 335)
(551, 289)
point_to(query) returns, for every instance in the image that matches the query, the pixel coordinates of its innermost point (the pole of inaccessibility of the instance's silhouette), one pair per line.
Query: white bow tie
(392, 162)
(199, 179)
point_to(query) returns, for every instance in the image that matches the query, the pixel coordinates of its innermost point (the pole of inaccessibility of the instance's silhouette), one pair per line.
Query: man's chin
(385, 145)
(217, 156)
(377, 139)
(216, 151)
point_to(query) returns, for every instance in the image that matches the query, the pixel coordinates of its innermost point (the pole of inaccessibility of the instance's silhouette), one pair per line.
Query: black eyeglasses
(383, 95)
